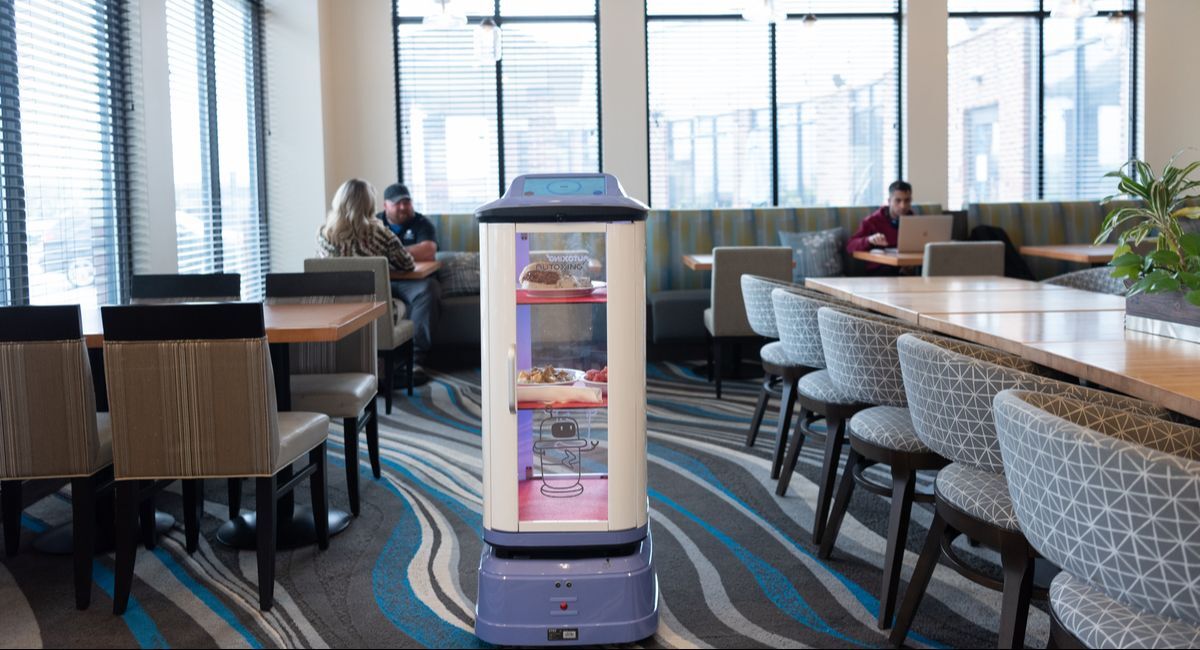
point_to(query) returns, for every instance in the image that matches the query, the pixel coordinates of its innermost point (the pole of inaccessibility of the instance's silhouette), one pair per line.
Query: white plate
(602, 385)
(575, 374)
(578, 292)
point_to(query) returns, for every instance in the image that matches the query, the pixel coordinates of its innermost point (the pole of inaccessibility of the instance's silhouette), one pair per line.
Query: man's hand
(878, 239)
(423, 251)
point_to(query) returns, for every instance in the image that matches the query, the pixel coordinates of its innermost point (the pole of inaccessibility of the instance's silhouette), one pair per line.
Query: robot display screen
(564, 186)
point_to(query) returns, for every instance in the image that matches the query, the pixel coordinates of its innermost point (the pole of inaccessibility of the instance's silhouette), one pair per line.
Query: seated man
(881, 229)
(419, 237)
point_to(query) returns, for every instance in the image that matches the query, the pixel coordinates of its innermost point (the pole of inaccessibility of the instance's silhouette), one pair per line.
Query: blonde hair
(352, 212)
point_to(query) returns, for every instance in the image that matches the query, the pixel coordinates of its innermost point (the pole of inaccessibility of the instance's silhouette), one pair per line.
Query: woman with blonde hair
(351, 229)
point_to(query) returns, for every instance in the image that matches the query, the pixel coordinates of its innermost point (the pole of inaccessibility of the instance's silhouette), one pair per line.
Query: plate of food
(548, 375)
(549, 280)
(597, 379)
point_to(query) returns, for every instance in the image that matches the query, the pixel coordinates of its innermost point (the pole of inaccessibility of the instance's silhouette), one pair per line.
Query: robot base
(557, 600)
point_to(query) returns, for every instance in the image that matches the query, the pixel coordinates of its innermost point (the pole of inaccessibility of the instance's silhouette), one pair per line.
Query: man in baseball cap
(418, 235)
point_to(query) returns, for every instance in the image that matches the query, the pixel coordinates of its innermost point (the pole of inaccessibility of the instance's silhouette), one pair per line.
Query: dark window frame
(1042, 15)
(500, 21)
(897, 16)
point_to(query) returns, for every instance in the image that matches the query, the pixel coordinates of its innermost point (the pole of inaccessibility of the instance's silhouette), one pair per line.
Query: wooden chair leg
(412, 365)
(147, 520)
(83, 534)
(930, 554)
(835, 437)
(234, 486)
(787, 406)
(840, 503)
(126, 543)
(193, 509)
(389, 372)
(10, 511)
(764, 397)
(319, 495)
(350, 445)
(904, 483)
(1017, 567)
(373, 438)
(265, 503)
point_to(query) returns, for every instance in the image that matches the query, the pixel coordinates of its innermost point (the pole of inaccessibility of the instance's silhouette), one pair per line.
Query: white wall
(154, 249)
(294, 122)
(1172, 94)
(624, 130)
(926, 113)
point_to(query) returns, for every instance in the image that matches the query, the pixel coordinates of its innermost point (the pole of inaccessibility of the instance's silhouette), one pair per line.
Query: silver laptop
(916, 231)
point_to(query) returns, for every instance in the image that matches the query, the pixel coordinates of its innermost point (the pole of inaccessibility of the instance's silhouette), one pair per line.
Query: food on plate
(547, 374)
(598, 376)
(546, 275)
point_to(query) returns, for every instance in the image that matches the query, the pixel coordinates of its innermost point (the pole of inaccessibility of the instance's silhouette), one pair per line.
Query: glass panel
(548, 8)
(562, 356)
(993, 110)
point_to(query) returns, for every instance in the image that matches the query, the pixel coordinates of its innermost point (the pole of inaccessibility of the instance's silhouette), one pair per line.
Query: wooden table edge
(422, 271)
(887, 259)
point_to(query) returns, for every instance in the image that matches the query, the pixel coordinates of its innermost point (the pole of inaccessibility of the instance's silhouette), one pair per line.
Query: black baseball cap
(396, 192)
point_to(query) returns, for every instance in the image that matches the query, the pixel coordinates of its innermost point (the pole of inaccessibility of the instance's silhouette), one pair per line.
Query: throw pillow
(459, 275)
(817, 254)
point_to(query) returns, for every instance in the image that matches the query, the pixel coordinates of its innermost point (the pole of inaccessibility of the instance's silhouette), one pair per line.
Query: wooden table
(1082, 253)
(698, 261)
(285, 324)
(846, 288)
(422, 271)
(1082, 336)
(890, 258)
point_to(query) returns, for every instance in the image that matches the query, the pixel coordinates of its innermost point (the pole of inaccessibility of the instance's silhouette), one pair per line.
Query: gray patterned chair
(1113, 498)
(864, 364)
(818, 396)
(185, 287)
(779, 372)
(193, 397)
(950, 386)
(725, 319)
(337, 379)
(393, 332)
(1099, 280)
(49, 427)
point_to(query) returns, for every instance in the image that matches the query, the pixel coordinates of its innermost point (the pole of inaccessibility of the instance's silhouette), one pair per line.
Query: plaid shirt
(379, 242)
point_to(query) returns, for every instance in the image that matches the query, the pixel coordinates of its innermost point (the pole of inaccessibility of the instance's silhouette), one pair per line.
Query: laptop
(916, 231)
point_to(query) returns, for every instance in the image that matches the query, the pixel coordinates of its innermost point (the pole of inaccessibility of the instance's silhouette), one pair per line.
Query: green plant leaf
(1165, 258)
(1139, 286)
(1194, 297)
(1190, 280)
(1127, 259)
(1190, 243)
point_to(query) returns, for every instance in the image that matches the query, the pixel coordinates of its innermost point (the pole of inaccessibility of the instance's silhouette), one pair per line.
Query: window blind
(62, 143)
(468, 126)
(1048, 120)
(216, 131)
(745, 114)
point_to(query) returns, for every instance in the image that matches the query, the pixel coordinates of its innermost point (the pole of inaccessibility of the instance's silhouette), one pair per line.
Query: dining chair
(1098, 280)
(193, 396)
(185, 287)
(963, 258)
(1112, 497)
(49, 427)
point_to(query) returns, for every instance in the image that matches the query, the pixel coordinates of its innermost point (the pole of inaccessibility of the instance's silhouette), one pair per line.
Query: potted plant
(1163, 294)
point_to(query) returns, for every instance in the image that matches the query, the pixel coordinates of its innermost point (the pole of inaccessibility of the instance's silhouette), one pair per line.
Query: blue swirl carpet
(735, 562)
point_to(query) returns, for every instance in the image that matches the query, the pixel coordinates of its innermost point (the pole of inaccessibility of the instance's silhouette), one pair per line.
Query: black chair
(186, 287)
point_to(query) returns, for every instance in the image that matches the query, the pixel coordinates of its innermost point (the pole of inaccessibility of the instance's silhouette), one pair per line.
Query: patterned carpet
(735, 562)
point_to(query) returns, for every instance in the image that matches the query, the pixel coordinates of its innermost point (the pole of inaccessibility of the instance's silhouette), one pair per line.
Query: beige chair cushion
(730, 263)
(708, 321)
(338, 395)
(402, 332)
(299, 432)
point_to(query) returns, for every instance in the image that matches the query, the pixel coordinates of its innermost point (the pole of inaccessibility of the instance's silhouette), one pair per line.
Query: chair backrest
(950, 387)
(760, 311)
(357, 352)
(796, 322)
(1109, 496)
(47, 401)
(185, 287)
(860, 353)
(190, 391)
(1099, 280)
(963, 258)
(384, 326)
(730, 263)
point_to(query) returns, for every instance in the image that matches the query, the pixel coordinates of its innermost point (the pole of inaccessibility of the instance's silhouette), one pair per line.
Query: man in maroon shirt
(881, 229)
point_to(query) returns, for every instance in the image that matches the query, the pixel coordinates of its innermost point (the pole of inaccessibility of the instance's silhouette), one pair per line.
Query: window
(1048, 121)
(64, 217)
(746, 114)
(216, 137)
(468, 125)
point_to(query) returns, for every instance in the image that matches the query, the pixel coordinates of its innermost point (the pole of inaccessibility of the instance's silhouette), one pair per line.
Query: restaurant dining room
(622, 323)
